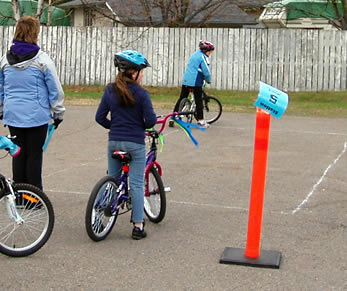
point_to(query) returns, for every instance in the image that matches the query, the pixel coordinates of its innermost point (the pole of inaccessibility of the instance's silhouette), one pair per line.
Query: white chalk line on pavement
(211, 205)
(170, 201)
(298, 208)
(177, 130)
(215, 205)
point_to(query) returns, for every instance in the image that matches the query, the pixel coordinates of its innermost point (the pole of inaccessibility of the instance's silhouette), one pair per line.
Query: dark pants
(197, 91)
(27, 166)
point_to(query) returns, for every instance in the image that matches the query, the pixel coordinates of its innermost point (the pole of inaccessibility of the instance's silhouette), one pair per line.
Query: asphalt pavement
(304, 218)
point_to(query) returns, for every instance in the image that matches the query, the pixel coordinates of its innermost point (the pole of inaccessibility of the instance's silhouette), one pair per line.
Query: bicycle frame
(151, 160)
(191, 98)
(122, 191)
(151, 156)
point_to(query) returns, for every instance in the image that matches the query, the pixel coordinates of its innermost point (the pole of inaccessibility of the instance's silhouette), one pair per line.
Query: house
(309, 14)
(90, 13)
(233, 13)
(28, 8)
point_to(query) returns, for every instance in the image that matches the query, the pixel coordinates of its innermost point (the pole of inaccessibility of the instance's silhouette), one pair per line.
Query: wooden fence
(293, 60)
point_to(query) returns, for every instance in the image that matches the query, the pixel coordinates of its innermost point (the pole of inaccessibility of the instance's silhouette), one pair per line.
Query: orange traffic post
(270, 101)
(255, 217)
(252, 255)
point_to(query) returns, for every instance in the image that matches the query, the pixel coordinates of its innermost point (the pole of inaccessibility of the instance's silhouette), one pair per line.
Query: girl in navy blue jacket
(131, 112)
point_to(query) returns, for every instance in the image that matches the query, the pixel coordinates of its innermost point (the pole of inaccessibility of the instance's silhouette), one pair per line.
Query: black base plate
(267, 259)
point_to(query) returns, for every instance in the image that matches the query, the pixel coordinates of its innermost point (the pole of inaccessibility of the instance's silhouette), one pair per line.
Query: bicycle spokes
(106, 196)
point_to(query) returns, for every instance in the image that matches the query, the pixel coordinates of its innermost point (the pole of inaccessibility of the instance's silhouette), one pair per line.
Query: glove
(57, 122)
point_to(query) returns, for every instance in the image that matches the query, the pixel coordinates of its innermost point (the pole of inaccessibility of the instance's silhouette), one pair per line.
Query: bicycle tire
(34, 207)
(98, 225)
(185, 106)
(212, 109)
(155, 203)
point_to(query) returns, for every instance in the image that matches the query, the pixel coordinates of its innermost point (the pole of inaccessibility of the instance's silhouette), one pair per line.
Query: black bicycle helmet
(130, 59)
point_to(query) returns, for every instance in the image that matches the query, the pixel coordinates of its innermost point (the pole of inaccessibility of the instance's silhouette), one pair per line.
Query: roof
(79, 3)
(133, 12)
(230, 13)
(251, 3)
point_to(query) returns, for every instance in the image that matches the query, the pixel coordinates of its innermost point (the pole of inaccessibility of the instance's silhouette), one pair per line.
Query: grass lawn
(323, 104)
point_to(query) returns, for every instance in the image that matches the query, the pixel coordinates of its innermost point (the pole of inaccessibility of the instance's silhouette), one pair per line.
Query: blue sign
(272, 100)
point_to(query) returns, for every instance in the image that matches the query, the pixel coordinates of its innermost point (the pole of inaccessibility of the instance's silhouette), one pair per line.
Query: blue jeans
(136, 172)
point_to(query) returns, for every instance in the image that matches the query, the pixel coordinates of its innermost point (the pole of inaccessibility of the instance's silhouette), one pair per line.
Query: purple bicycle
(110, 197)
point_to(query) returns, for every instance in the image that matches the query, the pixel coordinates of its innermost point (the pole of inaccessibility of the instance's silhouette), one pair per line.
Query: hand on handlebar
(57, 122)
(7, 144)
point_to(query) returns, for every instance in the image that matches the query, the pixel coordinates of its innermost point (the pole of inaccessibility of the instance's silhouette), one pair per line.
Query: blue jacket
(126, 123)
(30, 92)
(197, 70)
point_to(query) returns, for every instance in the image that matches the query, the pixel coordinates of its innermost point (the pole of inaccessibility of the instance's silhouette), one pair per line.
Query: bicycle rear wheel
(186, 106)
(98, 225)
(155, 202)
(34, 207)
(212, 109)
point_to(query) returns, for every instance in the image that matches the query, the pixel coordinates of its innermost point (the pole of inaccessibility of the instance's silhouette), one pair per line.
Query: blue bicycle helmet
(130, 59)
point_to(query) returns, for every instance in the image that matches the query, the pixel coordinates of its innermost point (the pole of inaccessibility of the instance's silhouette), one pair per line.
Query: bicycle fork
(11, 205)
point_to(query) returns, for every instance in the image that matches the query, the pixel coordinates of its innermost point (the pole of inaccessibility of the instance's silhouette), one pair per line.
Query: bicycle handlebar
(166, 117)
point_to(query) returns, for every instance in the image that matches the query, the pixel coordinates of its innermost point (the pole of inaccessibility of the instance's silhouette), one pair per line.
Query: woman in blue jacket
(131, 112)
(197, 71)
(30, 96)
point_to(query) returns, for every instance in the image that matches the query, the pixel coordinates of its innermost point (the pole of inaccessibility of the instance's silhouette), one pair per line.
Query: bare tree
(341, 20)
(39, 9)
(16, 11)
(169, 13)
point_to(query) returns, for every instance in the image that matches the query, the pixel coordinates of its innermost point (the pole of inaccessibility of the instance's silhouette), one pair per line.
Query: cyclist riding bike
(131, 113)
(197, 71)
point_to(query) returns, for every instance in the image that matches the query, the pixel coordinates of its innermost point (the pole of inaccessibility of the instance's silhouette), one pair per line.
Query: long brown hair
(27, 29)
(121, 87)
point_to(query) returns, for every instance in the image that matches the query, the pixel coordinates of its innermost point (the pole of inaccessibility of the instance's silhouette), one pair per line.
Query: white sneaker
(203, 124)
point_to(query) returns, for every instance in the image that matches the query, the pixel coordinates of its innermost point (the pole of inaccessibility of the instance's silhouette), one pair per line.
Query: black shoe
(138, 233)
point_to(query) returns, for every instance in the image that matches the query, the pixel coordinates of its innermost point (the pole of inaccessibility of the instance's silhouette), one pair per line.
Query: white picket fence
(293, 60)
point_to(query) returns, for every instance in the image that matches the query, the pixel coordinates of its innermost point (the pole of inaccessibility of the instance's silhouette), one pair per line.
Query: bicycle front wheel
(99, 225)
(155, 201)
(212, 109)
(186, 106)
(36, 211)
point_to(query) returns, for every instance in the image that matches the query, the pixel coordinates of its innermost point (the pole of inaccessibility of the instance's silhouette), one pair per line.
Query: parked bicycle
(26, 214)
(111, 197)
(212, 107)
